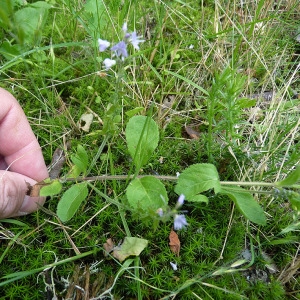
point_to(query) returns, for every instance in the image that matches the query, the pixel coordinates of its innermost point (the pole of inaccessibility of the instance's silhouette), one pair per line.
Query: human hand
(21, 160)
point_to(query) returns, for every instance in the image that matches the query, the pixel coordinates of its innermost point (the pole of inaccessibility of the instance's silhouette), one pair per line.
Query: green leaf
(30, 21)
(41, 4)
(291, 227)
(197, 179)
(132, 112)
(199, 198)
(71, 200)
(131, 246)
(6, 10)
(80, 160)
(15, 222)
(40, 56)
(142, 138)
(294, 198)
(147, 194)
(93, 17)
(288, 240)
(74, 172)
(291, 179)
(10, 51)
(246, 204)
(51, 189)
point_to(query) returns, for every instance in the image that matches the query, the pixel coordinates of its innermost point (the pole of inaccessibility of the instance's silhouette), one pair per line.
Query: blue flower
(120, 49)
(108, 63)
(180, 222)
(135, 40)
(160, 212)
(103, 45)
(180, 201)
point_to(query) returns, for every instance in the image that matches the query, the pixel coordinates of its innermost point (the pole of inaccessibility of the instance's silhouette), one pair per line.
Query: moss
(56, 88)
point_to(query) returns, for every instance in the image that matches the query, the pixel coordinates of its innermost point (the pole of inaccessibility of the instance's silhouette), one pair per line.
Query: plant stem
(174, 178)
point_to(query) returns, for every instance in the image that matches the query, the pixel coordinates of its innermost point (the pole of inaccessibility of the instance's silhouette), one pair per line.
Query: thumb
(13, 198)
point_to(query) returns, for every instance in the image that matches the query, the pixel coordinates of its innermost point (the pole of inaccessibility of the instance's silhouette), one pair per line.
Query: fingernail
(22, 213)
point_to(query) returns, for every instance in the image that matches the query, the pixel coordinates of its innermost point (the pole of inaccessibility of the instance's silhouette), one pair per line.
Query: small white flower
(174, 266)
(103, 45)
(108, 63)
(177, 174)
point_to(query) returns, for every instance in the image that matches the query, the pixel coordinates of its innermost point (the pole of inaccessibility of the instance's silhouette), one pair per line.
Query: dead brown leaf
(174, 242)
(58, 160)
(195, 135)
(108, 246)
(34, 190)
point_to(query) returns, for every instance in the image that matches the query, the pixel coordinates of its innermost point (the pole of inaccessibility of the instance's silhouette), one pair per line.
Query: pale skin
(21, 160)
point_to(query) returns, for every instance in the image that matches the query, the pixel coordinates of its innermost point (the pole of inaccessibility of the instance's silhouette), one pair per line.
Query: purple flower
(180, 222)
(180, 201)
(103, 45)
(108, 63)
(120, 49)
(135, 40)
(160, 212)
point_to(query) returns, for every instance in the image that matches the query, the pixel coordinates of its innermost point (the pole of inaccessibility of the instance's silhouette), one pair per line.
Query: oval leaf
(147, 194)
(246, 204)
(142, 138)
(80, 159)
(197, 179)
(51, 189)
(131, 246)
(71, 200)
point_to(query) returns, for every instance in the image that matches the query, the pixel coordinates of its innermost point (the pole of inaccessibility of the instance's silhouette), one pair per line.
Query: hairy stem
(174, 178)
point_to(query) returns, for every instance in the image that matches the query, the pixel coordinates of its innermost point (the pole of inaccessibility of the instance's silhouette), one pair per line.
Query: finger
(3, 164)
(18, 145)
(13, 198)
